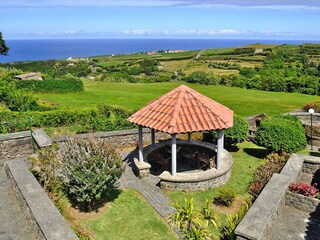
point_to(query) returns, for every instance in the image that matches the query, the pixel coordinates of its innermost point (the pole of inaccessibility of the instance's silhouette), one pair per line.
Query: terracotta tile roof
(183, 110)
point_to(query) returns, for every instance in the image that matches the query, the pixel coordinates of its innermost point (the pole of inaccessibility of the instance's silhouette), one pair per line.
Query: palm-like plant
(192, 222)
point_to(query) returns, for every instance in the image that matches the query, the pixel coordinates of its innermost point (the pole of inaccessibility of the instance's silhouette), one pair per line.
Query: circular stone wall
(194, 181)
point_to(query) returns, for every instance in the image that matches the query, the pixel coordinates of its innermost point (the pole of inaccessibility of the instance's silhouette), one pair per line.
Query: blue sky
(246, 19)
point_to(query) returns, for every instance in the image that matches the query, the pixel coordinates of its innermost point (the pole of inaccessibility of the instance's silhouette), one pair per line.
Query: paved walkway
(147, 187)
(13, 224)
(294, 224)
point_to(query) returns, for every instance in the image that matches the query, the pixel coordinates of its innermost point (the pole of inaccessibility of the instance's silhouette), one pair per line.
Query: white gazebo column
(189, 136)
(220, 148)
(153, 137)
(140, 144)
(174, 155)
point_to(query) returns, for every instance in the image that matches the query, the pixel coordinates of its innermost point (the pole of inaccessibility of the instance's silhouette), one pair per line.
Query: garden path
(13, 223)
(295, 224)
(147, 187)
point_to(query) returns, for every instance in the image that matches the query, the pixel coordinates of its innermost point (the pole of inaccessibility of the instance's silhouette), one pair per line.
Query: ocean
(31, 50)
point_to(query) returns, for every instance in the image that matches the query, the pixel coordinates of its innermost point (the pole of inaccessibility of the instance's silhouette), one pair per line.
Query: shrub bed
(274, 164)
(304, 189)
(315, 105)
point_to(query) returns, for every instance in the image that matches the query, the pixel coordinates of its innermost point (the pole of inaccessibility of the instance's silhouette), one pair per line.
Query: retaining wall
(15, 145)
(43, 216)
(258, 221)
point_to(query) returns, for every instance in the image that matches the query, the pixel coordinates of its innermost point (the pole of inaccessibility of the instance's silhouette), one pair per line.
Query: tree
(4, 50)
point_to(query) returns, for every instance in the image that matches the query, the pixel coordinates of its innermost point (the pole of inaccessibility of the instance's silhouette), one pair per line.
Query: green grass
(246, 160)
(110, 63)
(308, 152)
(242, 101)
(130, 217)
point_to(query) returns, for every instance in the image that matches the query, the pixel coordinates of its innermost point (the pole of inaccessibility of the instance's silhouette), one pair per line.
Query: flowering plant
(84, 234)
(304, 189)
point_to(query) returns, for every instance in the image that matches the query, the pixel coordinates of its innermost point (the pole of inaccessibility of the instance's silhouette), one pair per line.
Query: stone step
(41, 138)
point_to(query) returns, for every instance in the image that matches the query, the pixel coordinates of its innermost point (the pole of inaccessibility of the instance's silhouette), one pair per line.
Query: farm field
(135, 95)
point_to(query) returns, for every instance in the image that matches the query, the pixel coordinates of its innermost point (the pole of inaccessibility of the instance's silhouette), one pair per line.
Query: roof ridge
(176, 110)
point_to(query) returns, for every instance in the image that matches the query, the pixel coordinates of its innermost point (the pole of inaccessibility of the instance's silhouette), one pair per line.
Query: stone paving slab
(147, 187)
(294, 224)
(41, 138)
(13, 224)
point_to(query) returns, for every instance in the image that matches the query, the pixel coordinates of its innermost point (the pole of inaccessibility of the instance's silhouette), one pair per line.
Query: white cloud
(177, 33)
(186, 32)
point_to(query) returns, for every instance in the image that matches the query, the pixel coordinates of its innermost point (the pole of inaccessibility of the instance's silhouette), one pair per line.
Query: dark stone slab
(41, 138)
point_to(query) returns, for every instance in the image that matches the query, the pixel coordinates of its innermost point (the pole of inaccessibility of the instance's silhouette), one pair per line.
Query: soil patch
(229, 210)
(78, 215)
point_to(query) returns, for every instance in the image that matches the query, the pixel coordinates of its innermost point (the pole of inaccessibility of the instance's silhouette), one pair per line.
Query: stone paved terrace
(294, 224)
(13, 224)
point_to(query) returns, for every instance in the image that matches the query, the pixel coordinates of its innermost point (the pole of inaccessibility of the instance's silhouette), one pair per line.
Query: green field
(135, 95)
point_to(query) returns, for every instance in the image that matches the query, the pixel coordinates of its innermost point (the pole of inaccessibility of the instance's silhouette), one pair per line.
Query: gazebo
(182, 111)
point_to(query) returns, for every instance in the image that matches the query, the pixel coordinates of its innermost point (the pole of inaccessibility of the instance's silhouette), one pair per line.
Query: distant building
(29, 76)
(258, 50)
(152, 53)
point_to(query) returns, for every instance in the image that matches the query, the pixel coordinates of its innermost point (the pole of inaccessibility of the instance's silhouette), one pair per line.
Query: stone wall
(121, 138)
(311, 168)
(302, 202)
(257, 223)
(259, 218)
(196, 186)
(16, 145)
(43, 216)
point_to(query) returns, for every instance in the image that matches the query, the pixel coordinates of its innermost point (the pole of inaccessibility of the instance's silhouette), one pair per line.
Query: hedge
(283, 133)
(52, 85)
(105, 118)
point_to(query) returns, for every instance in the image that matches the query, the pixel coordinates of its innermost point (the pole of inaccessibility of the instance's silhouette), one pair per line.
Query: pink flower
(80, 230)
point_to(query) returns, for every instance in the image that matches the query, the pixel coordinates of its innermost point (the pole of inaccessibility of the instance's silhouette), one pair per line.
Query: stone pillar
(140, 144)
(220, 148)
(189, 137)
(153, 137)
(174, 155)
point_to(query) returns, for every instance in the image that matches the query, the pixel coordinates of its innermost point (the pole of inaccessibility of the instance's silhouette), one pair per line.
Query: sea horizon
(57, 49)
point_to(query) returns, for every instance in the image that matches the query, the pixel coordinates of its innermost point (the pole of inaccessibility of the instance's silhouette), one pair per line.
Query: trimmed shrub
(274, 163)
(283, 133)
(89, 168)
(238, 133)
(225, 197)
(52, 85)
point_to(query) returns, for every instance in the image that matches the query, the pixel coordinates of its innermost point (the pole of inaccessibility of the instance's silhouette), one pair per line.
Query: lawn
(135, 95)
(129, 217)
(247, 158)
